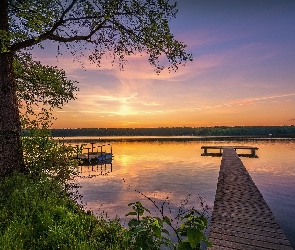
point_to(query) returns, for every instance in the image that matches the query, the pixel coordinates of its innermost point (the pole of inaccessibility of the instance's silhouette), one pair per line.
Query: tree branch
(50, 36)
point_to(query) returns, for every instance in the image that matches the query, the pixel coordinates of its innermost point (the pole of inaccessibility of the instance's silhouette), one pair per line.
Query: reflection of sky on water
(175, 169)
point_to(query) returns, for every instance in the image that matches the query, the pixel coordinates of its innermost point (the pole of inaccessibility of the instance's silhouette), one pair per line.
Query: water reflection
(162, 169)
(89, 171)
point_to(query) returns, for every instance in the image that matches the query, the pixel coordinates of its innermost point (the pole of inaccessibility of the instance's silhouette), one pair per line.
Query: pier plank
(241, 218)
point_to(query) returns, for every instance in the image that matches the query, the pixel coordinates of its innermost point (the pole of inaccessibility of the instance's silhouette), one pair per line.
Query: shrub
(40, 215)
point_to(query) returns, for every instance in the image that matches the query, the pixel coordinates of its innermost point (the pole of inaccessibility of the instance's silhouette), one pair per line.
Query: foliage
(103, 27)
(39, 214)
(43, 88)
(40, 89)
(46, 157)
(148, 232)
(192, 229)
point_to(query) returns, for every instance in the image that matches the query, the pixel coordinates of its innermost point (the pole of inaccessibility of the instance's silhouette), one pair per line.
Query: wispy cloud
(250, 101)
(244, 102)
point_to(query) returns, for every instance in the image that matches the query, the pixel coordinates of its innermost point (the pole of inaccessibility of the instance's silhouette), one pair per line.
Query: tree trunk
(11, 157)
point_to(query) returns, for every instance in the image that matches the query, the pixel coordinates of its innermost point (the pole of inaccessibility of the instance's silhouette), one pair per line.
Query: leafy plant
(192, 230)
(46, 157)
(39, 214)
(146, 232)
(149, 232)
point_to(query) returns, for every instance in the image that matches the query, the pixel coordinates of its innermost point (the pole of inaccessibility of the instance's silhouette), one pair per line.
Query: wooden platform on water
(241, 218)
(236, 148)
(95, 158)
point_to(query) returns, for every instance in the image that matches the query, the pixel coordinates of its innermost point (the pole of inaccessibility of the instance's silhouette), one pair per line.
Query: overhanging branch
(50, 36)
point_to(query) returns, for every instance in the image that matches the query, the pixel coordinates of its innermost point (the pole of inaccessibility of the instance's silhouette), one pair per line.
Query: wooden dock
(93, 157)
(236, 148)
(241, 218)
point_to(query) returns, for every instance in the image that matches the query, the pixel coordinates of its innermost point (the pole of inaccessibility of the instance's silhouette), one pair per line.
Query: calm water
(175, 169)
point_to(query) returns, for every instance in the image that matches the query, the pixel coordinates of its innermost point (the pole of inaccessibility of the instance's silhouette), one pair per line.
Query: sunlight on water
(176, 169)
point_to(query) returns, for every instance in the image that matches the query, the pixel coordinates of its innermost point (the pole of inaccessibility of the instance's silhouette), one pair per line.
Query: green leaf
(194, 236)
(184, 246)
(157, 231)
(166, 231)
(167, 220)
(131, 213)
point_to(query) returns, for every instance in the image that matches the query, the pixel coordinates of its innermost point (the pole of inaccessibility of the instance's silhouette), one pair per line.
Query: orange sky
(242, 73)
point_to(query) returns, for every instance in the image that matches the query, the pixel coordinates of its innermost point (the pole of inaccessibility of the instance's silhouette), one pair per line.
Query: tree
(103, 27)
(40, 89)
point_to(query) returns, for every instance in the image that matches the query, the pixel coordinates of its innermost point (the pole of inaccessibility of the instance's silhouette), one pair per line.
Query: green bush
(38, 209)
(46, 157)
(40, 215)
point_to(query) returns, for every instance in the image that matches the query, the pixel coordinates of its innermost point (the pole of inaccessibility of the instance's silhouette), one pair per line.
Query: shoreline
(73, 139)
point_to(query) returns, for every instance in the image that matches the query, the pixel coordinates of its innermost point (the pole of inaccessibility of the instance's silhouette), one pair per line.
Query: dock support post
(88, 154)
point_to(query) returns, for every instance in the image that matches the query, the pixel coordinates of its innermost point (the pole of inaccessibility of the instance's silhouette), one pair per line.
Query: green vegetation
(39, 209)
(264, 131)
(38, 214)
(40, 89)
(150, 233)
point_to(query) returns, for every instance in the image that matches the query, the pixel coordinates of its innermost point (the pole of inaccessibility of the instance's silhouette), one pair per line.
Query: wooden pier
(220, 149)
(241, 218)
(94, 157)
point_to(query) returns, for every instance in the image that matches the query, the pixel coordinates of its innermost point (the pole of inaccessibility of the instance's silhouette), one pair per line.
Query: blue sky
(242, 73)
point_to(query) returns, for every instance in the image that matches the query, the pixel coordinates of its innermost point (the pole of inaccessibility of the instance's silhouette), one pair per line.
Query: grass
(41, 215)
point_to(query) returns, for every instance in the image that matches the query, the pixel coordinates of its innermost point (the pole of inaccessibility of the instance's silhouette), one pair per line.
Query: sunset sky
(243, 73)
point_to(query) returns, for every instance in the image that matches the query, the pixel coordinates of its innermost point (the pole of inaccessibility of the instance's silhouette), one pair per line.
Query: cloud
(249, 101)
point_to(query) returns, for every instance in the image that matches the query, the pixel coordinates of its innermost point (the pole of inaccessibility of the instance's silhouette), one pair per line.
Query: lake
(174, 169)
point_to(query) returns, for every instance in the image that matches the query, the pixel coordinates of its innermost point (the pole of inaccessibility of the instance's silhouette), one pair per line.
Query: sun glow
(125, 110)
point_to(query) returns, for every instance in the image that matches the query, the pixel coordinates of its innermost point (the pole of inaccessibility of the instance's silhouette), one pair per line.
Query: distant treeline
(264, 131)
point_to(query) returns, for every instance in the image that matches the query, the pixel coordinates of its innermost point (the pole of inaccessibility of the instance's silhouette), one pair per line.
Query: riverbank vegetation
(261, 131)
(39, 209)
(39, 214)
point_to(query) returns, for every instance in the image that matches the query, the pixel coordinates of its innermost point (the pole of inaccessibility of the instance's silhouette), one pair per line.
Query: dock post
(88, 154)
(92, 147)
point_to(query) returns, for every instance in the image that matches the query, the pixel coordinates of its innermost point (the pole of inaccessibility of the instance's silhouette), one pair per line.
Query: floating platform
(252, 153)
(92, 157)
(241, 218)
(95, 158)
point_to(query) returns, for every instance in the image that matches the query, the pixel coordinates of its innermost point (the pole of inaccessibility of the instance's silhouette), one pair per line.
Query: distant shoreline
(193, 133)
(73, 139)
